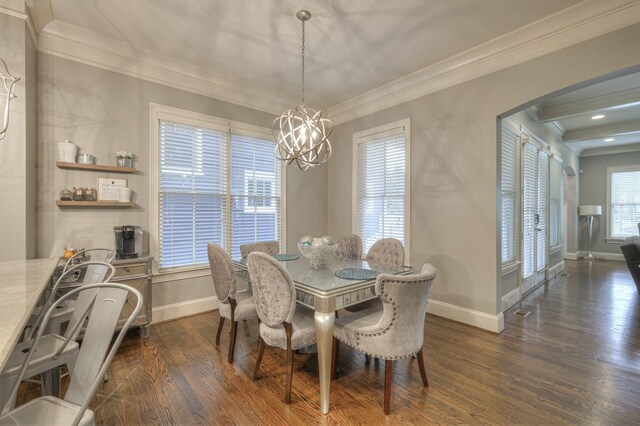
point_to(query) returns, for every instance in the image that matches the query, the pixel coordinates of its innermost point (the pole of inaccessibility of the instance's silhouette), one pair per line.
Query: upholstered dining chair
(233, 305)
(384, 252)
(282, 323)
(269, 247)
(387, 251)
(349, 247)
(394, 332)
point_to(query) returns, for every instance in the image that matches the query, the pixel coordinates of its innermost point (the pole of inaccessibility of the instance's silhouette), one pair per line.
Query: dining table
(22, 283)
(339, 284)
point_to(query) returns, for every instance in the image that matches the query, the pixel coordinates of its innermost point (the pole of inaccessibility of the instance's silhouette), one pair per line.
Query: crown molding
(11, 12)
(610, 150)
(610, 101)
(602, 131)
(80, 45)
(27, 17)
(570, 26)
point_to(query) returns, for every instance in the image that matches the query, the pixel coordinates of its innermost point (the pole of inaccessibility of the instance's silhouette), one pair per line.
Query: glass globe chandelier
(8, 92)
(302, 135)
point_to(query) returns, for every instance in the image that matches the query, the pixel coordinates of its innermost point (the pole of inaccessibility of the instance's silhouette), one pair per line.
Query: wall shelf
(94, 204)
(95, 167)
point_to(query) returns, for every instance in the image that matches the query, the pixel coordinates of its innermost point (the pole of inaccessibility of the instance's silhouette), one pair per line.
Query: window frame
(159, 112)
(609, 222)
(397, 127)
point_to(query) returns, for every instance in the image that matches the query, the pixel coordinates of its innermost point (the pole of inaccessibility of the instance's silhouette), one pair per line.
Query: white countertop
(21, 284)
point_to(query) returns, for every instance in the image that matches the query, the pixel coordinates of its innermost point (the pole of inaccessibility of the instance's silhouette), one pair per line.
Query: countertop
(21, 284)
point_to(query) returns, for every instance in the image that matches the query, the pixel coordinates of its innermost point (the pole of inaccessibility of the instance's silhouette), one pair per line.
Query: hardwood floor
(574, 360)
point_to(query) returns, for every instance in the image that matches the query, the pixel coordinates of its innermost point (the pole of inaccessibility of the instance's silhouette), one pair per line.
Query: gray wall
(454, 163)
(18, 148)
(103, 112)
(593, 190)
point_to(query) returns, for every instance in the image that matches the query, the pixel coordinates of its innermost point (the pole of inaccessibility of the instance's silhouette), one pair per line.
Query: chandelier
(302, 135)
(8, 83)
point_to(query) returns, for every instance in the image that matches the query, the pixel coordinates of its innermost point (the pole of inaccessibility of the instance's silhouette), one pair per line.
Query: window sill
(614, 240)
(180, 274)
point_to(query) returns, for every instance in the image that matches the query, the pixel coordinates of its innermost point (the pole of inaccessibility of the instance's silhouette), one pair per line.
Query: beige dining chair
(387, 252)
(349, 247)
(394, 332)
(283, 324)
(93, 359)
(232, 304)
(269, 247)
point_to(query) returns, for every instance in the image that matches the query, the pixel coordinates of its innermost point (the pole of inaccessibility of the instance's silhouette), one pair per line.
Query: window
(381, 184)
(555, 201)
(623, 201)
(509, 193)
(215, 181)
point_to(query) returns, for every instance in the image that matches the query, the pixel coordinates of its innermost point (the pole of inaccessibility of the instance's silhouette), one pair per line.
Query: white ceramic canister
(67, 151)
(124, 195)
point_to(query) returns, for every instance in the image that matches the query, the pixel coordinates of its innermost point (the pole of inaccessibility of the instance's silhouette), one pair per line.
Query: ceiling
(353, 46)
(618, 100)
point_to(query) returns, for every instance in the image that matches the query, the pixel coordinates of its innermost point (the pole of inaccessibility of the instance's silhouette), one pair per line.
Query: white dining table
(22, 282)
(324, 292)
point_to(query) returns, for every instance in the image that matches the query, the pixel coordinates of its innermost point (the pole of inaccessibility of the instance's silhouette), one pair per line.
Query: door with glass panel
(535, 208)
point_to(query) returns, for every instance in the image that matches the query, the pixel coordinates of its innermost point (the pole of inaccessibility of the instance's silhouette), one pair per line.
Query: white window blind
(255, 192)
(214, 186)
(529, 209)
(192, 192)
(624, 203)
(542, 211)
(555, 202)
(509, 193)
(381, 188)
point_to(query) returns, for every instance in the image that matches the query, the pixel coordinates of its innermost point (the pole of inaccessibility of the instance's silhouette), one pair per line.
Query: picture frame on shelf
(109, 188)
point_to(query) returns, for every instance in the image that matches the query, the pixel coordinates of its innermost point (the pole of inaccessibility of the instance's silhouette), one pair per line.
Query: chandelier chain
(303, 62)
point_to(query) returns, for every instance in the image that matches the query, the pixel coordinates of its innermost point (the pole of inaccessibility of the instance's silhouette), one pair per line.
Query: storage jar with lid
(78, 194)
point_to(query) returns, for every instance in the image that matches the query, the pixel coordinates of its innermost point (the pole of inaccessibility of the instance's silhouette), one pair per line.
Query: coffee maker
(128, 241)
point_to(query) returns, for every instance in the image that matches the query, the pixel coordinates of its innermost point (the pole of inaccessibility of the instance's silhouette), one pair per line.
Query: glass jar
(66, 195)
(90, 194)
(78, 194)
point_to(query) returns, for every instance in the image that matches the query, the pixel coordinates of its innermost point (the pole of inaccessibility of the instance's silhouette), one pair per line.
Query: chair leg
(287, 393)
(334, 357)
(388, 372)
(423, 372)
(220, 324)
(367, 359)
(259, 359)
(232, 343)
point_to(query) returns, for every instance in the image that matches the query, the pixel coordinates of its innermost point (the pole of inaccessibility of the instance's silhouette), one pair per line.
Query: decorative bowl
(317, 251)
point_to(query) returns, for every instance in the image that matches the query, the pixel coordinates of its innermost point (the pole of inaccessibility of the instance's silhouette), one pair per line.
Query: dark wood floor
(574, 360)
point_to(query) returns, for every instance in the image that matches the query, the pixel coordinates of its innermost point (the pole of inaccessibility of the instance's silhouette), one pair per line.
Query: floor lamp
(590, 211)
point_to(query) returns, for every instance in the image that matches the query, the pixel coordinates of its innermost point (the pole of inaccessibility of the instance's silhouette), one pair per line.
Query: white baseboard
(183, 309)
(555, 270)
(494, 323)
(511, 298)
(571, 256)
(597, 254)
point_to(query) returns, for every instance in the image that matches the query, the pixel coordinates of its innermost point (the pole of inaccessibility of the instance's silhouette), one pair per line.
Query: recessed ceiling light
(597, 117)
(609, 139)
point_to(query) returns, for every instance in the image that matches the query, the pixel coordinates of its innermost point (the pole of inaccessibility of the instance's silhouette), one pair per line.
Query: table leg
(324, 332)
